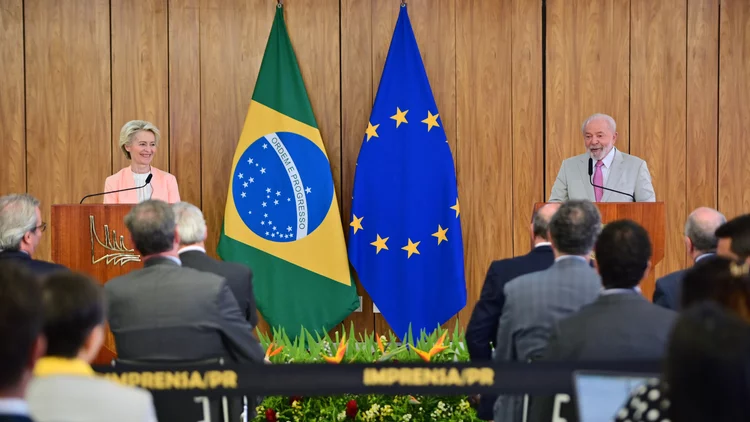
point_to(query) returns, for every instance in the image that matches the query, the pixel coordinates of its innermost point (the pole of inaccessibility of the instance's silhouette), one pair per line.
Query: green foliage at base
(365, 349)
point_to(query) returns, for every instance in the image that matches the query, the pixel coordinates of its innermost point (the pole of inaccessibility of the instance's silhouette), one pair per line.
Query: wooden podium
(650, 215)
(92, 239)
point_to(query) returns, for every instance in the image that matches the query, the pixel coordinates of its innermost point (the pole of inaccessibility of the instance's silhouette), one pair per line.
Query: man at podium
(603, 173)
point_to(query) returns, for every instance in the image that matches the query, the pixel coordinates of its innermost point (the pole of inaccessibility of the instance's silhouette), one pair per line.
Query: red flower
(293, 399)
(270, 415)
(351, 409)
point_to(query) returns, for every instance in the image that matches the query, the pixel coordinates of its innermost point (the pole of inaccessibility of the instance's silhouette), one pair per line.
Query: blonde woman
(138, 141)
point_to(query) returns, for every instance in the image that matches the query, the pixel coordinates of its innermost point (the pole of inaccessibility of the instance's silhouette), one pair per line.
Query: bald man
(484, 320)
(700, 242)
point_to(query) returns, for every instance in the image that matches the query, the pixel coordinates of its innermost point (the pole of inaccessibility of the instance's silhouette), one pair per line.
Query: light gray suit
(628, 174)
(534, 302)
(87, 399)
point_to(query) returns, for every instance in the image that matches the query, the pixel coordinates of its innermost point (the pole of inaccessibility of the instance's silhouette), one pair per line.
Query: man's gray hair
(575, 227)
(152, 226)
(191, 225)
(541, 225)
(600, 116)
(701, 226)
(17, 217)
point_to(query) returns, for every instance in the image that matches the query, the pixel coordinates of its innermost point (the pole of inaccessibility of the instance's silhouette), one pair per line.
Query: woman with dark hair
(708, 358)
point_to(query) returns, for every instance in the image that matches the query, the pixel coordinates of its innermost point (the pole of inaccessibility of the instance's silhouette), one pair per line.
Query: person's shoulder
(575, 159)
(162, 173)
(117, 175)
(631, 159)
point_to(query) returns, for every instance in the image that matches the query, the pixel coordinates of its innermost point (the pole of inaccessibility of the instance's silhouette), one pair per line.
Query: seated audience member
(138, 141)
(482, 328)
(700, 243)
(192, 231)
(21, 229)
(721, 281)
(534, 302)
(621, 324)
(64, 385)
(165, 312)
(734, 238)
(21, 339)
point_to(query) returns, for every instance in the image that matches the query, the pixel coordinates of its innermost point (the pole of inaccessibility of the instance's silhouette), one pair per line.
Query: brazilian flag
(282, 218)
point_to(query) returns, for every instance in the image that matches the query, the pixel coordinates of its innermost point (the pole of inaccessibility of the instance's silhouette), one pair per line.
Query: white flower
(341, 416)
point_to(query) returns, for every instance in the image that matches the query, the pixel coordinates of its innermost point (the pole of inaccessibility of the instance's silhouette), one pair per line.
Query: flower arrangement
(367, 348)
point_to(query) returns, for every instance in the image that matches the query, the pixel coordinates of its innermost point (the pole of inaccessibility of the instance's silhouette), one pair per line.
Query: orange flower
(437, 348)
(270, 352)
(380, 343)
(339, 353)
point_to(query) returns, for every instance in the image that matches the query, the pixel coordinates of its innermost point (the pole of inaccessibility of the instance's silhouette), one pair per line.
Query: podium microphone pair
(148, 180)
(591, 180)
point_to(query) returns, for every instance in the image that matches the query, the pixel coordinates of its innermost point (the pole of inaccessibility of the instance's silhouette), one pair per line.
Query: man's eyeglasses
(41, 227)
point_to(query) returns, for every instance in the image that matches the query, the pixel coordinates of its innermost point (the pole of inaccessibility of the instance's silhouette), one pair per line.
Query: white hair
(129, 130)
(17, 217)
(600, 116)
(191, 226)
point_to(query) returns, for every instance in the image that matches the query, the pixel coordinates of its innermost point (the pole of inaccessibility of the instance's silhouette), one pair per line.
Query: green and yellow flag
(282, 217)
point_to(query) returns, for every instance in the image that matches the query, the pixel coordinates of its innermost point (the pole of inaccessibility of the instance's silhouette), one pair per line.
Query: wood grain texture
(657, 106)
(587, 73)
(82, 238)
(140, 73)
(356, 104)
(67, 101)
(434, 24)
(528, 120)
(734, 110)
(233, 36)
(185, 98)
(485, 138)
(702, 120)
(12, 98)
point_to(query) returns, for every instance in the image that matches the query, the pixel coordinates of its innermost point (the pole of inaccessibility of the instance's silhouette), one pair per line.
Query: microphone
(591, 180)
(148, 180)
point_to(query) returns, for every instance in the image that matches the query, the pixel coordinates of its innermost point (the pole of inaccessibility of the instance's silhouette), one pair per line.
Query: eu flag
(405, 231)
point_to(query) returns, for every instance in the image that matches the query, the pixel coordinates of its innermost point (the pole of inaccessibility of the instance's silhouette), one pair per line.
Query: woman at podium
(140, 181)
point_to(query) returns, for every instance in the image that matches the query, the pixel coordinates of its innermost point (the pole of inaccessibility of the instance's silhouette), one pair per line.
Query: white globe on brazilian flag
(282, 217)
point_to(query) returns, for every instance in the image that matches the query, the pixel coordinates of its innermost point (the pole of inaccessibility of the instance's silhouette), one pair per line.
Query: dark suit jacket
(239, 278)
(619, 326)
(15, 418)
(165, 312)
(668, 291)
(482, 327)
(34, 265)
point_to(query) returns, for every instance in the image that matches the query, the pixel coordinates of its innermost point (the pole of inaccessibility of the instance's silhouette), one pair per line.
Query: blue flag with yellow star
(405, 233)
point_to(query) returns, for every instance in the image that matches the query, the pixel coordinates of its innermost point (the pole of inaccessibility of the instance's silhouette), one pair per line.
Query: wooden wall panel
(356, 104)
(12, 99)
(734, 110)
(67, 101)
(233, 36)
(434, 24)
(185, 98)
(657, 111)
(528, 120)
(702, 105)
(140, 73)
(587, 72)
(485, 138)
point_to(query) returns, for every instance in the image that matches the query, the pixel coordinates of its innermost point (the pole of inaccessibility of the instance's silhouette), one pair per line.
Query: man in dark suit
(482, 328)
(191, 226)
(21, 229)
(621, 324)
(21, 339)
(535, 301)
(166, 312)
(734, 239)
(700, 242)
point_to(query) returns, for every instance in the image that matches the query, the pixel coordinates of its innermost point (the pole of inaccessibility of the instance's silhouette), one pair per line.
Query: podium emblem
(117, 252)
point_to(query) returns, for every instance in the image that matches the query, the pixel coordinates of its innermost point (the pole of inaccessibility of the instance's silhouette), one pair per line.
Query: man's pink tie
(599, 181)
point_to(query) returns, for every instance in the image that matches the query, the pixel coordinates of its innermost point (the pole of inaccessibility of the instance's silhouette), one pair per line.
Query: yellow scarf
(50, 366)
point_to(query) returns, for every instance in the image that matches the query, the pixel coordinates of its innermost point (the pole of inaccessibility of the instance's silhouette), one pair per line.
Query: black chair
(199, 408)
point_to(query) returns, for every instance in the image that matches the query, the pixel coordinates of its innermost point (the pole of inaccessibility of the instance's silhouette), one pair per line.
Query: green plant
(344, 348)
